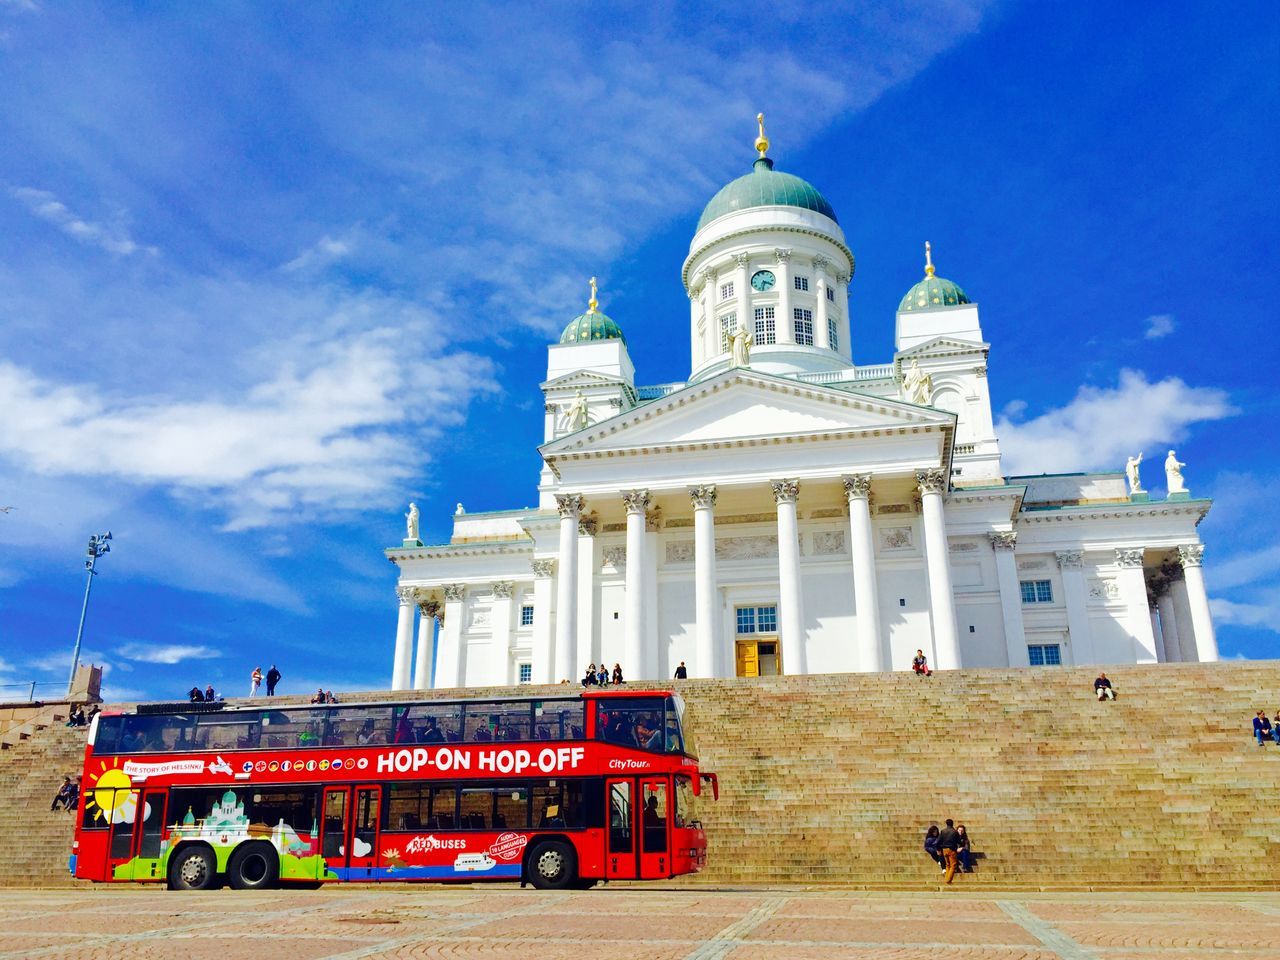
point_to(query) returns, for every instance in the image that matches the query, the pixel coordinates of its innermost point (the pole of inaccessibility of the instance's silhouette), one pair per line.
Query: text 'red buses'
(561, 792)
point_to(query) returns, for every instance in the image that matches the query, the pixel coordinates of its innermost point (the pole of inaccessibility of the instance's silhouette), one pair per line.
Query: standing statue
(458, 511)
(1173, 474)
(411, 522)
(917, 385)
(1131, 471)
(576, 412)
(742, 342)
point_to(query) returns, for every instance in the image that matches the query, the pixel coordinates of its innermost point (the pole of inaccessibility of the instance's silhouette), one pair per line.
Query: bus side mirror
(715, 784)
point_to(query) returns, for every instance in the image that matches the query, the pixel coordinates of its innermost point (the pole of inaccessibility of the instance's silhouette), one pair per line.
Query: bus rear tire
(195, 868)
(253, 866)
(553, 865)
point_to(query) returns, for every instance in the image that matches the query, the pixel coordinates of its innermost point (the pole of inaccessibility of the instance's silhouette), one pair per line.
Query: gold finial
(928, 259)
(762, 142)
(593, 302)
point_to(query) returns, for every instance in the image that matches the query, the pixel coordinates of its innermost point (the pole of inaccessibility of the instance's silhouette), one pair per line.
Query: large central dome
(766, 187)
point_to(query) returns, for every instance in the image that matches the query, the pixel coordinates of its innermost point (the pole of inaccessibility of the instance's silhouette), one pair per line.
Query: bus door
(121, 810)
(349, 831)
(149, 836)
(655, 823)
(620, 845)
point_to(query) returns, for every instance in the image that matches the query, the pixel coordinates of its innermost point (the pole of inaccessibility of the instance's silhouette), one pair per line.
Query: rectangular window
(757, 619)
(766, 331)
(833, 338)
(525, 673)
(804, 326)
(526, 615)
(728, 323)
(831, 295)
(1044, 655)
(767, 619)
(726, 291)
(746, 620)
(1036, 591)
(802, 283)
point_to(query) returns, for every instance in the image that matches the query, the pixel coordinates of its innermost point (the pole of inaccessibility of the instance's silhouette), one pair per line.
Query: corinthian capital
(703, 497)
(1069, 559)
(785, 491)
(1003, 539)
(542, 569)
(569, 504)
(502, 589)
(782, 254)
(407, 594)
(820, 264)
(588, 525)
(932, 481)
(636, 501)
(1191, 554)
(1128, 558)
(857, 485)
(455, 591)
(430, 608)
(742, 259)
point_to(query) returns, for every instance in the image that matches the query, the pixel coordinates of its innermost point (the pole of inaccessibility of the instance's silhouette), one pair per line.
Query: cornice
(495, 548)
(1112, 511)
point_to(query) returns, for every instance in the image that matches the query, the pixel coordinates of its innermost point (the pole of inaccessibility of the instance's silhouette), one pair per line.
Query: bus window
(360, 726)
(222, 731)
(686, 813)
(442, 808)
(335, 822)
(107, 740)
(511, 721)
(559, 720)
(511, 807)
(620, 817)
(654, 816)
(632, 723)
(476, 808)
(677, 742)
(428, 723)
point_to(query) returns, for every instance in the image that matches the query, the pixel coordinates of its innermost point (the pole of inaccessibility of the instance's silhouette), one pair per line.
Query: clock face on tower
(762, 280)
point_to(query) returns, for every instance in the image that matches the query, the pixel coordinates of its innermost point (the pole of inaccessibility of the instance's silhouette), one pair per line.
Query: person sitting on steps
(1262, 728)
(931, 846)
(1102, 687)
(921, 665)
(964, 852)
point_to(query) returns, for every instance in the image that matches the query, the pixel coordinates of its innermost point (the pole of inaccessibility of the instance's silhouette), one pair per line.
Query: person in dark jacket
(617, 673)
(964, 852)
(682, 673)
(1102, 687)
(195, 695)
(931, 846)
(949, 844)
(1261, 728)
(273, 677)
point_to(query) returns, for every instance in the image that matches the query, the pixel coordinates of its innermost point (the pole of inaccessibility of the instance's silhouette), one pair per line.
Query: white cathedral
(785, 511)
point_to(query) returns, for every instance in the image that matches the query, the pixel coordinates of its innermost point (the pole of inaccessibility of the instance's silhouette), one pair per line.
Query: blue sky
(267, 272)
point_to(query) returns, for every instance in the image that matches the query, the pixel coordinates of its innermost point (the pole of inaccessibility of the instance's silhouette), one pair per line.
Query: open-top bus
(560, 792)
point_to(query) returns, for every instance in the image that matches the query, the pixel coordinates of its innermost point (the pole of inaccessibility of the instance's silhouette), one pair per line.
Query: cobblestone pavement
(635, 923)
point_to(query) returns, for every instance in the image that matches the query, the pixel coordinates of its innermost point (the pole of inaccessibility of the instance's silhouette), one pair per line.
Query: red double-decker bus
(560, 792)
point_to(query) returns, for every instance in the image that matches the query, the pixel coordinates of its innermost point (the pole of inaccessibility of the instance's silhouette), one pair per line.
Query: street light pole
(97, 547)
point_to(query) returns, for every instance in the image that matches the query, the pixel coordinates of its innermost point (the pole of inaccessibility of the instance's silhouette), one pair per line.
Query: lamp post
(97, 547)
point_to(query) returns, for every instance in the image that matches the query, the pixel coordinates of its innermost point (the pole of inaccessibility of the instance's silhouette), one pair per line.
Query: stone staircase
(35, 842)
(19, 722)
(832, 780)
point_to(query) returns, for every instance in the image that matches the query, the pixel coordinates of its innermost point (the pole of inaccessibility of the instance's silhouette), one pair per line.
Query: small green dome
(766, 187)
(592, 325)
(933, 292)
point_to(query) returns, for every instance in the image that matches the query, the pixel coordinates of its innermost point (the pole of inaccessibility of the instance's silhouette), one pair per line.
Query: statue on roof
(411, 522)
(917, 385)
(1173, 474)
(1131, 471)
(741, 343)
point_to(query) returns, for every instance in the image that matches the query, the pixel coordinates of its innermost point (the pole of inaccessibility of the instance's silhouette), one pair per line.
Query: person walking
(949, 844)
(255, 681)
(273, 677)
(682, 672)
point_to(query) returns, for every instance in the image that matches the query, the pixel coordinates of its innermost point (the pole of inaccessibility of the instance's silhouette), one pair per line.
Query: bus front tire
(253, 866)
(195, 868)
(553, 865)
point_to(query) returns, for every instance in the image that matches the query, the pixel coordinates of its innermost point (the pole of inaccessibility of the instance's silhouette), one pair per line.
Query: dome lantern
(933, 292)
(592, 325)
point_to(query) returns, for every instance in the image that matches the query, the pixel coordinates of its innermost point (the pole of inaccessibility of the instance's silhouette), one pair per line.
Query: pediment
(742, 406)
(581, 378)
(944, 346)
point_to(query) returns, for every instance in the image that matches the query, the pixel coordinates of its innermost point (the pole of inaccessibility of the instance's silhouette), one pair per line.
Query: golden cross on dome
(762, 142)
(593, 302)
(928, 259)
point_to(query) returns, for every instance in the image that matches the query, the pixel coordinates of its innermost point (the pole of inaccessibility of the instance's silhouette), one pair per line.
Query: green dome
(766, 187)
(592, 325)
(930, 294)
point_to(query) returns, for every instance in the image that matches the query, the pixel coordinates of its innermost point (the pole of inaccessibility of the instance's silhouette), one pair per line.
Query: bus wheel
(194, 869)
(253, 866)
(553, 865)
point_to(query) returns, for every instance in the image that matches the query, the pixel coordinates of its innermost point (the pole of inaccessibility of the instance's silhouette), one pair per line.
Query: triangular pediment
(581, 378)
(744, 406)
(944, 346)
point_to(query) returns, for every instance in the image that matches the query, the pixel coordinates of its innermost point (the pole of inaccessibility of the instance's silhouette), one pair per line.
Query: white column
(870, 656)
(451, 669)
(570, 506)
(1015, 638)
(785, 326)
(403, 655)
(655, 665)
(634, 665)
(1133, 590)
(1168, 621)
(1155, 632)
(742, 287)
(790, 597)
(1191, 556)
(1186, 626)
(1076, 597)
(842, 304)
(500, 670)
(426, 644)
(820, 315)
(588, 568)
(544, 667)
(706, 602)
(942, 603)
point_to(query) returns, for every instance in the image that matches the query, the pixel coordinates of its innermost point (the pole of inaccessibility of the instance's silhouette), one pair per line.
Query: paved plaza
(634, 923)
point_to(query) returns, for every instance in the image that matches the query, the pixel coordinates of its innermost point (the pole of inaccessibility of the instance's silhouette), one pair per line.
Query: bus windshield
(649, 723)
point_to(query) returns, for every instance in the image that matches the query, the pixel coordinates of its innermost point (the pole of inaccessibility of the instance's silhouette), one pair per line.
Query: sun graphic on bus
(109, 795)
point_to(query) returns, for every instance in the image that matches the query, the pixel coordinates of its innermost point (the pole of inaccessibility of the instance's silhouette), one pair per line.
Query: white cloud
(164, 653)
(1102, 426)
(323, 252)
(1160, 325)
(1245, 614)
(111, 238)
